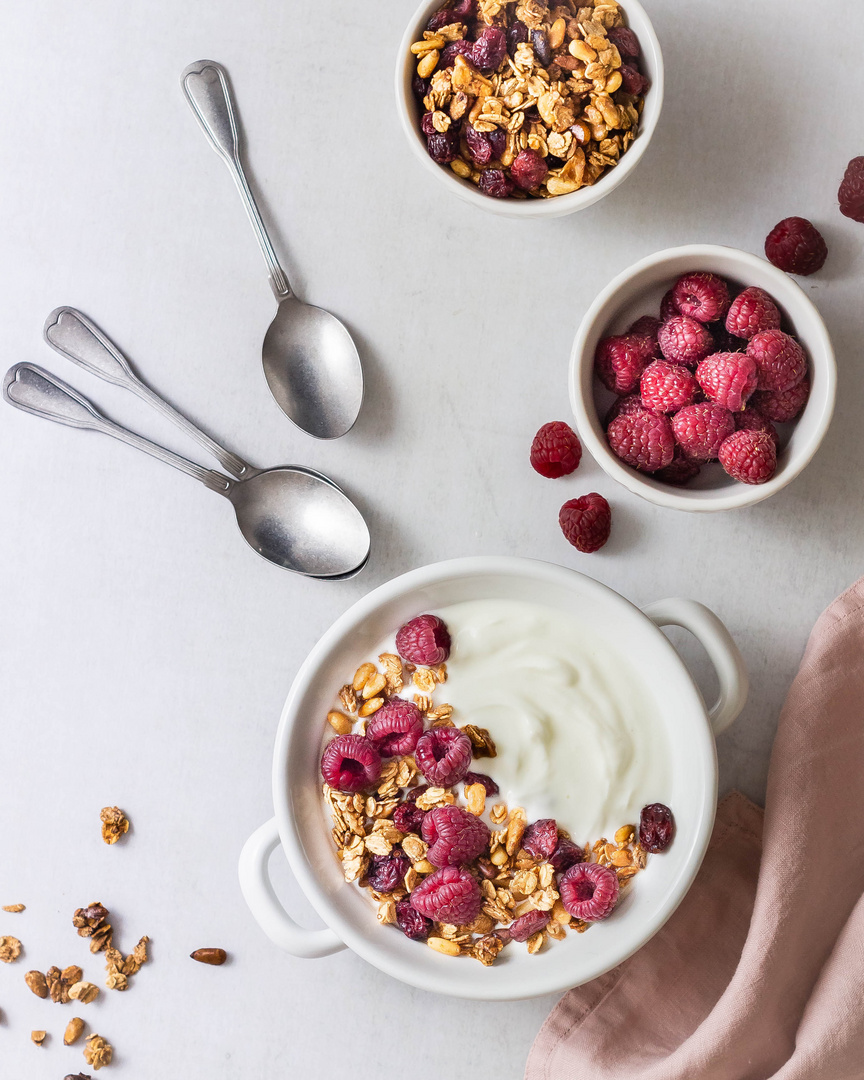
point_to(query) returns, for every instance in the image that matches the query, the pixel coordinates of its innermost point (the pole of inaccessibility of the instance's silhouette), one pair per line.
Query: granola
(529, 99)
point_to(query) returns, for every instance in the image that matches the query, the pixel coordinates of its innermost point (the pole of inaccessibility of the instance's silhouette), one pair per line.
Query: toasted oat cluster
(414, 825)
(526, 98)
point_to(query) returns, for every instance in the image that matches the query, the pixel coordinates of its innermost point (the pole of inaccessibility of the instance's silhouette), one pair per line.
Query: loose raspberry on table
(679, 471)
(851, 193)
(644, 441)
(589, 891)
(565, 855)
(409, 920)
(702, 296)
(728, 378)
(556, 450)
(667, 387)
(796, 246)
(684, 340)
(496, 183)
(408, 817)
(751, 312)
(424, 640)
(586, 522)
(780, 360)
(481, 778)
(395, 728)
(350, 763)
(624, 406)
(619, 362)
(700, 429)
(752, 420)
(656, 827)
(541, 838)
(450, 895)
(528, 170)
(454, 836)
(781, 406)
(532, 922)
(668, 306)
(749, 456)
(387, 871)
(443, 755)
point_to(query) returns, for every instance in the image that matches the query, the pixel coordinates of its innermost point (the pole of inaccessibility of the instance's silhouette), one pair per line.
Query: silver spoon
(310, 361)
(287, 515)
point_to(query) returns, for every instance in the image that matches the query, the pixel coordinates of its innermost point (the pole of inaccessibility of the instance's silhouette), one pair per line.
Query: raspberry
(752, 420)
(851, 193)
(395, 728)
(700, 429)
(408, 817)
(751, 312)
(749, 456)
(668, 306)
(350, 763)
(565, 855)
(726, 342)
(412, 924)
(586, 522)
(532, 922)
(684, 340)
(680, 470)
(495, 183)
(779, 358)
(424, 640)
(704, 297)
(782, 406)
(489, 49)
(589, 891)
(454, 836)
(528, 170)
(646, 328)
(443, 755)
(624, 40)
(667, 387)
(619, 361)
(541, 838)
(481, 778)
(656, 827)
(728, 378)
(624, 406)
(643, 440)
(796, 246)
(386, 871)
(556, 450)
(450, 895)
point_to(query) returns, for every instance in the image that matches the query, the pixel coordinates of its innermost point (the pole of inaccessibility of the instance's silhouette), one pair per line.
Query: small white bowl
(303, 828)
(638, 291)
(651, 64)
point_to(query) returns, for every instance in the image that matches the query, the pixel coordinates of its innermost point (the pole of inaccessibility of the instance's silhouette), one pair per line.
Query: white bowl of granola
(303, 826)
(588, 153)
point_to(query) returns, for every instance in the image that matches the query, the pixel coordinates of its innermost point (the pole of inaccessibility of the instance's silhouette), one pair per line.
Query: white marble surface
(146, 652)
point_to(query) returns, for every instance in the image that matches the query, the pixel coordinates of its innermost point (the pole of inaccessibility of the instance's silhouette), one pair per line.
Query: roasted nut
(74, 1030)
(10, 949)
(210, 956)
(582, 51)
(59, 982)
(361, 676)
(98, 1051)
(556, 33)
(14, 908)
(340, 723)
(370, 706)
(38, 1037)
(475, 798)
(85, 992)
(442, 945)
(37, 983)
(114, 824)
(373, 686)
(427, 65)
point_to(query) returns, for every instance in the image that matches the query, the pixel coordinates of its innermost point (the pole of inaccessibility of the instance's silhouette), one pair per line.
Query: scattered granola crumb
(14, 908)
(60, 982)
(37, 983)
(10, 949)
(38, 1037)
(216, 957)
(114, 824)
(98, 1051)
(92, 922)
(85, 992)
(74, 1031)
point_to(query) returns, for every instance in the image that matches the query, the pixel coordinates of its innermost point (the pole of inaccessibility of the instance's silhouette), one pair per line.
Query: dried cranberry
(624, 40)
(632, 80)
(412, 924)
(566, 854)
(387, 871)
(444, 17)
(426, 124)
(419, 87)
(481, 778)
(496, 183)
(408, 817)
(517, 34)
(479, 145)
(541, 47)
(553, 162)
(465, 9)
(460, 47)
(414, 793)
(498, 142)
(442, 147)
(528, 170)
(541, 838)
(528, 924)
(656, 827)
(489, 49)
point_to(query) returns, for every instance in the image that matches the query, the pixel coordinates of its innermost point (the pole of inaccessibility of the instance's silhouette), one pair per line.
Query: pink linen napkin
(759, 975)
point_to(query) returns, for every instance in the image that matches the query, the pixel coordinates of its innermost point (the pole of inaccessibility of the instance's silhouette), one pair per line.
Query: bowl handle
(259, 894)
(704, 625)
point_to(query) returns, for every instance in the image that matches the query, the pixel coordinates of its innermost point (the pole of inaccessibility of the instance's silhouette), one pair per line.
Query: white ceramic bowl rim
(424, 968)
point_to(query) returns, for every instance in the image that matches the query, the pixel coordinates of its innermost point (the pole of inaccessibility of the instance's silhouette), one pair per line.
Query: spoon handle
(205, 84)
(35, 391)
(74, 336)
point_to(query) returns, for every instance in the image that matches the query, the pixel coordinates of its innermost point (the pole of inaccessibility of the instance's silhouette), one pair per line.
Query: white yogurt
(578, 737)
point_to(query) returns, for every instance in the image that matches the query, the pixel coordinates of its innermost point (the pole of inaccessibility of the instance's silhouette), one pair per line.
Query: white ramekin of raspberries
(703, 379)
(529, 108)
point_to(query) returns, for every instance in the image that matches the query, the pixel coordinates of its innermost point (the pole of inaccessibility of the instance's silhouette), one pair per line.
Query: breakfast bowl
(410, 111)
(302, 826)
(638, 291)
